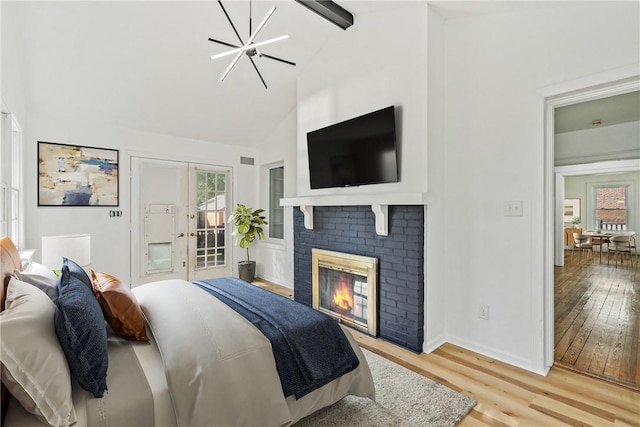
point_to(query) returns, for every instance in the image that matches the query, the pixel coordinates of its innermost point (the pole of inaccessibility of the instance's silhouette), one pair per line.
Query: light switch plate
(513, 208)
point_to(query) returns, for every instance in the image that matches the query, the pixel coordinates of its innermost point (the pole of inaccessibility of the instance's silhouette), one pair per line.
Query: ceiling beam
(330, 11)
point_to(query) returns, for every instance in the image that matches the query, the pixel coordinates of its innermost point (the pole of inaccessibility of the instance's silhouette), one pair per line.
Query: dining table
(599, 238)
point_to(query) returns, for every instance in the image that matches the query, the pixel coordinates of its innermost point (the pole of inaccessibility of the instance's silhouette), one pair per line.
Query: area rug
(403, 398)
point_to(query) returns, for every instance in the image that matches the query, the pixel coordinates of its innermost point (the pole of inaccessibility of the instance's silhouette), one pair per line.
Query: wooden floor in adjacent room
(597, 318)
(510, 396)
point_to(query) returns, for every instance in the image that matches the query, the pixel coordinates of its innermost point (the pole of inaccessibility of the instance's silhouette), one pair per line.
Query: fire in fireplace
(344, 287)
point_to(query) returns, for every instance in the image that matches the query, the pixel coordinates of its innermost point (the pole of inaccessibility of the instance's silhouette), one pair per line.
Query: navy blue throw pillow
(78, 272)
(82, 333)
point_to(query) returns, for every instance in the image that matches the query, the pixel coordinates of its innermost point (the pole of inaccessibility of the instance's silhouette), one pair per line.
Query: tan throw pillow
(119, 306)
(34, 367)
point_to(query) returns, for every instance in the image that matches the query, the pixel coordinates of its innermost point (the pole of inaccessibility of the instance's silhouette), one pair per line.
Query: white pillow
(34, 367)
(41, 277)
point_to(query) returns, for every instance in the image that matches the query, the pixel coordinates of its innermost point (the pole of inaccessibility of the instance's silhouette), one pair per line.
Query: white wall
(12, 91)
(496, 66)
(275, 256)
(368, 69)
(110, 236)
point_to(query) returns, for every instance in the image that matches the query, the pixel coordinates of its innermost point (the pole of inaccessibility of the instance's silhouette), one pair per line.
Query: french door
(178, 221)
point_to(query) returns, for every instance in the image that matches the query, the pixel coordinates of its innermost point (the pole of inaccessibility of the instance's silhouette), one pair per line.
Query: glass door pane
(211, 208)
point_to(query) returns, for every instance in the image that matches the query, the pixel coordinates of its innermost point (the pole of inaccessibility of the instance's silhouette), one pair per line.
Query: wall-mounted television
(354, 152)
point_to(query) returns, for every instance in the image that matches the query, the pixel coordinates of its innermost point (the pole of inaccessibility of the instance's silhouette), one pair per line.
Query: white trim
(358, 199)
(559, 217)
(599, 167)
(601, 85)
(379, 203)
(4, 223)
(608, 83)
(12, 217)
(381, 213)
(17, 138)
(266, 178)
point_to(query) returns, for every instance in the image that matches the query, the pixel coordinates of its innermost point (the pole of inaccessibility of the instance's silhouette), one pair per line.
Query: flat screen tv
(358, 151)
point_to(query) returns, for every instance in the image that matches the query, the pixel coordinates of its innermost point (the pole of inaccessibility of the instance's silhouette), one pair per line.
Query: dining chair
(633, 250)
(596, 241)
(581, 244)
(619, 245)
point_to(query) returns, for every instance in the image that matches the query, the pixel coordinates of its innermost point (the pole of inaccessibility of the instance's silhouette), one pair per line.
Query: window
(611, 210)
(4, 223)
(11, 179)
(276, 212)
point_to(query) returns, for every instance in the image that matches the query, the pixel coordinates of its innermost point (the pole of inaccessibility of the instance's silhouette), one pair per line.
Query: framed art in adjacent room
(571, 209)
(75, 175)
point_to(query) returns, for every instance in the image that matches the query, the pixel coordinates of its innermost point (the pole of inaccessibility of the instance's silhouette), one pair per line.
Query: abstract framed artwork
(571, 209)
(74, 175)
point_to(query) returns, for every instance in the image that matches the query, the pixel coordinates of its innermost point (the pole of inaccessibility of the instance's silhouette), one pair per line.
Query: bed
(203, 364)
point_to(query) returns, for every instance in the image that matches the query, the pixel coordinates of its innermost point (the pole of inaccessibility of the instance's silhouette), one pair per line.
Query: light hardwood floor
(597, 318)
(509, 396)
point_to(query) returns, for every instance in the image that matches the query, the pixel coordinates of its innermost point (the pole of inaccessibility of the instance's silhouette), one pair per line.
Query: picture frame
(571, 209)
(77, 175)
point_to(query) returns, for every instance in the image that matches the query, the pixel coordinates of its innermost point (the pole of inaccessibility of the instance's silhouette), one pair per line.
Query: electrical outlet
(483, 311)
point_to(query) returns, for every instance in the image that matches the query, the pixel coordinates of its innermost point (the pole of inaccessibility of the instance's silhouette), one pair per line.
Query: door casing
(601, 85)
(169, 184)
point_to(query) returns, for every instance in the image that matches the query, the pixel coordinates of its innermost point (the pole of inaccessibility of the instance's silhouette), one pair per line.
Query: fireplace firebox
(345, 288)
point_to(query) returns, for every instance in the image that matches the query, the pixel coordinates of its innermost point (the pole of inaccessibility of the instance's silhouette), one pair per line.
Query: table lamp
(76, 247)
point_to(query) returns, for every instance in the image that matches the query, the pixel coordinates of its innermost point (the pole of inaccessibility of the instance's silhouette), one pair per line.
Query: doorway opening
(596, 321)
(577, 296)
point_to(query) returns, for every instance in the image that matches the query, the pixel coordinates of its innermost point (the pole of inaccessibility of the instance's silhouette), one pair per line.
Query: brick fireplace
(400, 262)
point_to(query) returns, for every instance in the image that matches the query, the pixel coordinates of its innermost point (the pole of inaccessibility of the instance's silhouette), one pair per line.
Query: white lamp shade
(76, 247)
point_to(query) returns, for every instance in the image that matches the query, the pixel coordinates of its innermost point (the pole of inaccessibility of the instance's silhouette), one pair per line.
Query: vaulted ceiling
(145, 65)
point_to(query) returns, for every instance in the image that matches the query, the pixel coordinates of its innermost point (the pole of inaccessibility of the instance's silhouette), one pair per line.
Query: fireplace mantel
(379, 203)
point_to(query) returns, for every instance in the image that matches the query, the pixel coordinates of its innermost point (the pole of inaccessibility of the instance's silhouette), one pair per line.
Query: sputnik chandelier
(250, 47)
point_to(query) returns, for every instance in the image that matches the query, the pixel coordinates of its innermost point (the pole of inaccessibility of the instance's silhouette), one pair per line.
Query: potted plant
(576, 221)
(248, 225)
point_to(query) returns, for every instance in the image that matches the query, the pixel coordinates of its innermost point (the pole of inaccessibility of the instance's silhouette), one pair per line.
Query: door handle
(181, 235)
(192, 234)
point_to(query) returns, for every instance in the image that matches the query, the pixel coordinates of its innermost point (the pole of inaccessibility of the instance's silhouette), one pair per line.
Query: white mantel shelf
(379, 203)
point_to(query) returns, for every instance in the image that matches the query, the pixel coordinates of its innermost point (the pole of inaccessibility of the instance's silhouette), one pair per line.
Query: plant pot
(247, 270)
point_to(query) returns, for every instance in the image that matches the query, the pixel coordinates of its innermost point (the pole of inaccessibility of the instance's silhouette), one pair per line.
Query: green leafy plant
(576, 220)
(248, 225)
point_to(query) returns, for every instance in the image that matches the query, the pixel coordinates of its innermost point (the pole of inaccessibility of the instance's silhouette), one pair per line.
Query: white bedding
(150, 362)
(219, 369)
